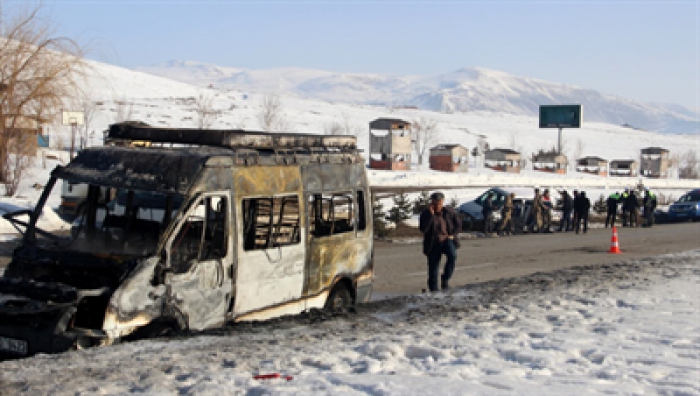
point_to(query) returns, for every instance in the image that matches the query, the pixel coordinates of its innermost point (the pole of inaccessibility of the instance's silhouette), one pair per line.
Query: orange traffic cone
(614, 246)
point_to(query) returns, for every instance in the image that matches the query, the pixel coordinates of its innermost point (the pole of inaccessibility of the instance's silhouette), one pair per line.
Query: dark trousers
(649, 216)
(582, 217)
(488, 222)
(610, 219)
(634, 217)
(565, 224)
(625, 217)
(448, 249)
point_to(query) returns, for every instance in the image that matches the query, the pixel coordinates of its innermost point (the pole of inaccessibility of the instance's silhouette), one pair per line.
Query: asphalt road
(402, 268)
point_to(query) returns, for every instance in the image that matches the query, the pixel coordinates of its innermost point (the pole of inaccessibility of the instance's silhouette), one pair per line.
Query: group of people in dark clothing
(630, 204)
(441, 224)
(574, 212)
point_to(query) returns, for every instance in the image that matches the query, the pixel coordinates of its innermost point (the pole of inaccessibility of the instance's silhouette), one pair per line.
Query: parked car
(473, 219)
(686, 208)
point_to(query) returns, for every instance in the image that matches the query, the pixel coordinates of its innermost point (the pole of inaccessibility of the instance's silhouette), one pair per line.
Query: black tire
(339, 300)
(468, 222)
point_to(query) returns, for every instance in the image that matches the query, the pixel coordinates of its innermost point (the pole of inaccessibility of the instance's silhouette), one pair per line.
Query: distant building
(504, 160)
(593, 165)
(22, 134)
(628, 168)
(550, 162)
(654, 163)
(449, 158)
(390, 144)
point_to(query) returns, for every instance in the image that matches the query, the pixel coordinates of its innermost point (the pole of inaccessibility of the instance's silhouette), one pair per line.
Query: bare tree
(513, 140)
(578, 149)
(38, 73)
(333, 128)
(344, 127)
(578, 153)
(206, 113)
(689, 165)
(270, 115)
(349, 128)
(124, 110)
(423, 134)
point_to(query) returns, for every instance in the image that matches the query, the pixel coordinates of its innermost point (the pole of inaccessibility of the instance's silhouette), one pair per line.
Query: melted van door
(200, 259)
(270, 256)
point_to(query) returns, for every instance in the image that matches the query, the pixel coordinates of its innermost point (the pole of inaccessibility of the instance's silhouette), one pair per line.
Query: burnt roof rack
(230, 138)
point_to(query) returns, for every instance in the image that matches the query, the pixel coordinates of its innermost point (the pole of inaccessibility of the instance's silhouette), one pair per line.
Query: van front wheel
(340, 300)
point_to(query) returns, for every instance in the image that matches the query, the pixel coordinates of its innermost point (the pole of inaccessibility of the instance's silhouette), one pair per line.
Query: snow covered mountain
(464, 90)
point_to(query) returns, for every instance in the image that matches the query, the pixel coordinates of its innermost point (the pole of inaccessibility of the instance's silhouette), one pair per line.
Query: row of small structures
(391, 147)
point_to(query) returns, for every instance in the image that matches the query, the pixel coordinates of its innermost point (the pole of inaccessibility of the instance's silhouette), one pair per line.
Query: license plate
(15, 346)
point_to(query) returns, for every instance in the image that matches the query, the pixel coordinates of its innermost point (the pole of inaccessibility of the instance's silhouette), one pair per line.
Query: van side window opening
(361, 213)
(202, 235)
(271, 222)
(331, 214)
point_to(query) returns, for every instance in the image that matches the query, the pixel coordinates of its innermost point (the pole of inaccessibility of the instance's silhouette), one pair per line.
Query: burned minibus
(196, 229)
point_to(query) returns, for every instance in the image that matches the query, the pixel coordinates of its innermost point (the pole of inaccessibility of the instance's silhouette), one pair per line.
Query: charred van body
(195, 229)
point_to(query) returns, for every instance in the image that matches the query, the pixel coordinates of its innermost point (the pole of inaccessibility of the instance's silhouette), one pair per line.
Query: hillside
(462, 91)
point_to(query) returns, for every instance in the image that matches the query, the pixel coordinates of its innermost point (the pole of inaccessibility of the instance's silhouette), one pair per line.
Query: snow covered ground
(629, 328)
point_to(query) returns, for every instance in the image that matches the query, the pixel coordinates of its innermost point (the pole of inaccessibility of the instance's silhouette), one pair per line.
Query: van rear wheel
(340, 300)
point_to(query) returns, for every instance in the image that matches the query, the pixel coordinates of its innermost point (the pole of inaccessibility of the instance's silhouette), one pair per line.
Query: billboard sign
(561, 116)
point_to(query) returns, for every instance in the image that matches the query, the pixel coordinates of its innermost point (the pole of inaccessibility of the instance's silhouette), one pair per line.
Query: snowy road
(401, 269)
(624, 328)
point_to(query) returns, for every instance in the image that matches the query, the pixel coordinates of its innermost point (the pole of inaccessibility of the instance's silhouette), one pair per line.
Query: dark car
(686, 208)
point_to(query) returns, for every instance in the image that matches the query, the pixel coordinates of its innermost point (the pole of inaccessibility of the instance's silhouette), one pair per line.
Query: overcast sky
(644, 50)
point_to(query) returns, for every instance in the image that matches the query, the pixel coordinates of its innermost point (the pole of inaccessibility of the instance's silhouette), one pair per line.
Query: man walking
(612, 202)
(440, 225)
(582, 206)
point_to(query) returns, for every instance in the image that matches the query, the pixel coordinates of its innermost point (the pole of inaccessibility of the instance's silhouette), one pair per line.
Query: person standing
(546, 212)
(633, 206)
(487, 211)
(582, 206)
(506, 216)
(567, 205)
(575, 199)
(612, 201)
(625, 207)
(649, 207)
(536, 212)
(440, 225)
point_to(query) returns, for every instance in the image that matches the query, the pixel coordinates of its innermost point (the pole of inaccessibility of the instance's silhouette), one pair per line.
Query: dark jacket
(613, 201)
(632, 202)
(567, 204)
(454, 226)
(582, 204)
(650, 201)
